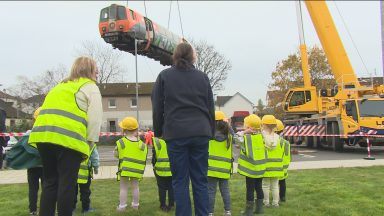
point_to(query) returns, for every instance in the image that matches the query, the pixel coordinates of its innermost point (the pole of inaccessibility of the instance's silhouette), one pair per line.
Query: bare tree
(212, 63)
(107, 58)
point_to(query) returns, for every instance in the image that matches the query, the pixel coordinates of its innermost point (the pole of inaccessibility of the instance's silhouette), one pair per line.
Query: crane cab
(301, 101)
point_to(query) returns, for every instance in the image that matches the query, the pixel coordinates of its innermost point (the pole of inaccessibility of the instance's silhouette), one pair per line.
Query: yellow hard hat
(269, 120)
(246, 122)
(36, 113)
(219, 115)
(129, 123)
(279, 125)
(254, 121)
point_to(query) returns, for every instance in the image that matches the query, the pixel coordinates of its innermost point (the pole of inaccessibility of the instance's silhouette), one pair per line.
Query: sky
(253, 35)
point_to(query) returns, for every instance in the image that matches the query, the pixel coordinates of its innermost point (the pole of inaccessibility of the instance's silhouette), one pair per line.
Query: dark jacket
(182, 104)
(3, 139)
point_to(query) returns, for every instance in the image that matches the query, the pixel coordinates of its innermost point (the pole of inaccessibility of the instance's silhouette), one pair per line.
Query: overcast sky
(254, 36)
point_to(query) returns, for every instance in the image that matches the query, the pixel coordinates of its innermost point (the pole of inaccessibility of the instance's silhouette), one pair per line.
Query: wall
(236, 103)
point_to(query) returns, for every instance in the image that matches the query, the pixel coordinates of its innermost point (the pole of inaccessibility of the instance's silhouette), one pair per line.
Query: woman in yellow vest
(163, 174)
(286, 159)
(274, 165)
(252, 164)
(69, 120)
(220, 164)
(132, 154)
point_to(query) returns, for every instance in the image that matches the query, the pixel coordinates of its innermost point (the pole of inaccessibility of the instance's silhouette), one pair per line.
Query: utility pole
(382, 35)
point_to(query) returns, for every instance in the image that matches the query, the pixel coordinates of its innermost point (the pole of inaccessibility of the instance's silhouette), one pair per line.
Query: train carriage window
(104, 14)
(297, 99)
(121, 14)
(132, 14)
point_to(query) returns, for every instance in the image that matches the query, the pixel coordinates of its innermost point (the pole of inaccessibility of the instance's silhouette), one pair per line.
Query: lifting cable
(350, 36)
(181, 23)
(169, 15)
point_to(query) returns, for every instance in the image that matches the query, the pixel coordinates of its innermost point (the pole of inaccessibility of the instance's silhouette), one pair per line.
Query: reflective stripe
(164, 169)
(132, 170)
(84, 167)
(82, 177)
(274, 160)
(162, 160)
(134, 160)
(274, 169)
(65, 114)
(253, 162)
(217, 169)
(249, 145)
(122, 143)
(251, 172)
(158, 145)
(59, 130)
(218, 158)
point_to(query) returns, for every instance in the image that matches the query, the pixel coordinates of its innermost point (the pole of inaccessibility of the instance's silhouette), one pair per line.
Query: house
(237, 102)
(119, 101)
(14, 115)
(32, 103)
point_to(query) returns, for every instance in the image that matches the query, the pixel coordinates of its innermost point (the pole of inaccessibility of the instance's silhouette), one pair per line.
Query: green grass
(344, 191)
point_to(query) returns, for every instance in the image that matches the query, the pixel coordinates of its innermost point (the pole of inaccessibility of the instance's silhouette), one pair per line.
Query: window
(297, 99)
(351, 109)
(133, 102)
(112, 103)
(307, 96)
(104, 14)
(112, 126)
(371, 108)
(12, 123)
(132, 14)
(121, 14)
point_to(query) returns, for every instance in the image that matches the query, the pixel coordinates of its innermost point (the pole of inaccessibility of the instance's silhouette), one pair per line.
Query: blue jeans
(189, 159)
(224, 191)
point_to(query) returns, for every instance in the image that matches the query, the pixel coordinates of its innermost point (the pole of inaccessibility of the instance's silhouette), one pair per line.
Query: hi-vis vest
(286, 156)
(220, 159)
(132, 158)
(60, 120)
(82, 177)
(274, 165)
(252, 160)
(162, 166)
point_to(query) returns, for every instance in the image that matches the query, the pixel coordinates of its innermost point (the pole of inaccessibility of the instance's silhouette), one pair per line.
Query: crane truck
(348, 109)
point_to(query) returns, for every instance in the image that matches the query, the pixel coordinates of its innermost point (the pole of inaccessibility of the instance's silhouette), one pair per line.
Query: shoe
(210, 214)
(282, 199)
(33, 213)
(170, 207)
(164, 208)
(248, 209)
(121, 208)
(227, 213)
(275, 205)
(259, 206)
(87, 211)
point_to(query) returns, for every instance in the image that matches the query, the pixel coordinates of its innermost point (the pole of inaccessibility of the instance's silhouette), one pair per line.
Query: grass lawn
(343, 191)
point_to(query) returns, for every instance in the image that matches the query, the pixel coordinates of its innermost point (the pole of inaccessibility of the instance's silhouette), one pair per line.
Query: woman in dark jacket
(184, 116)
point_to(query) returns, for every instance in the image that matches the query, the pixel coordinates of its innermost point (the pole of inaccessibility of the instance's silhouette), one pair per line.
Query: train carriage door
(149, 29)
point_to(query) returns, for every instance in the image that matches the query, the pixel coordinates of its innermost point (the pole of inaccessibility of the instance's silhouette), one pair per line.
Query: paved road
(304, 154)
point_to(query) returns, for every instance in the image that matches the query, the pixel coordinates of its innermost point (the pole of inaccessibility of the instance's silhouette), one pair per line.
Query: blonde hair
(83, 67)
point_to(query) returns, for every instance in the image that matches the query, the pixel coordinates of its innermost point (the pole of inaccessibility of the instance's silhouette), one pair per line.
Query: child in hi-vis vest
(220, 164)
(286, 159)
(274, 165)
(132, 154)
(162, 170)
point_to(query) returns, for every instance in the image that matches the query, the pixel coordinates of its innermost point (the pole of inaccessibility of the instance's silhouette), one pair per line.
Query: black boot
(259, 206)
(248, 209)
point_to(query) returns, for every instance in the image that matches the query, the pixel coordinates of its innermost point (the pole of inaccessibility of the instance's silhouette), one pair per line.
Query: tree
(108, 60)
(288, 74)
(212, 63)
(260, 107)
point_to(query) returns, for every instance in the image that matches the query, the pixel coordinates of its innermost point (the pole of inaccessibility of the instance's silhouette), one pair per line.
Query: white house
(237, 102)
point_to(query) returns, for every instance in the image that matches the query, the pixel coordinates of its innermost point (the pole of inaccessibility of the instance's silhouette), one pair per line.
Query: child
(286, 159)
(24, 156)
(132, 154)
(252, 164)
(220, 164)
(162, 170)
(87, 168)
(274, 166)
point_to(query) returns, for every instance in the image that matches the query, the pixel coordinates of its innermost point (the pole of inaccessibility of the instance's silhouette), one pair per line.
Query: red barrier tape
(101, 134)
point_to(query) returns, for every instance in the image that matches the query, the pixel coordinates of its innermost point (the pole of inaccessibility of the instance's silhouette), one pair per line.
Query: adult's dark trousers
(60, 168)
(85, 194)
(189, 160)
(282, 187)
(252, 185)
(34, 174)
(164, 184)
(1, 157)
